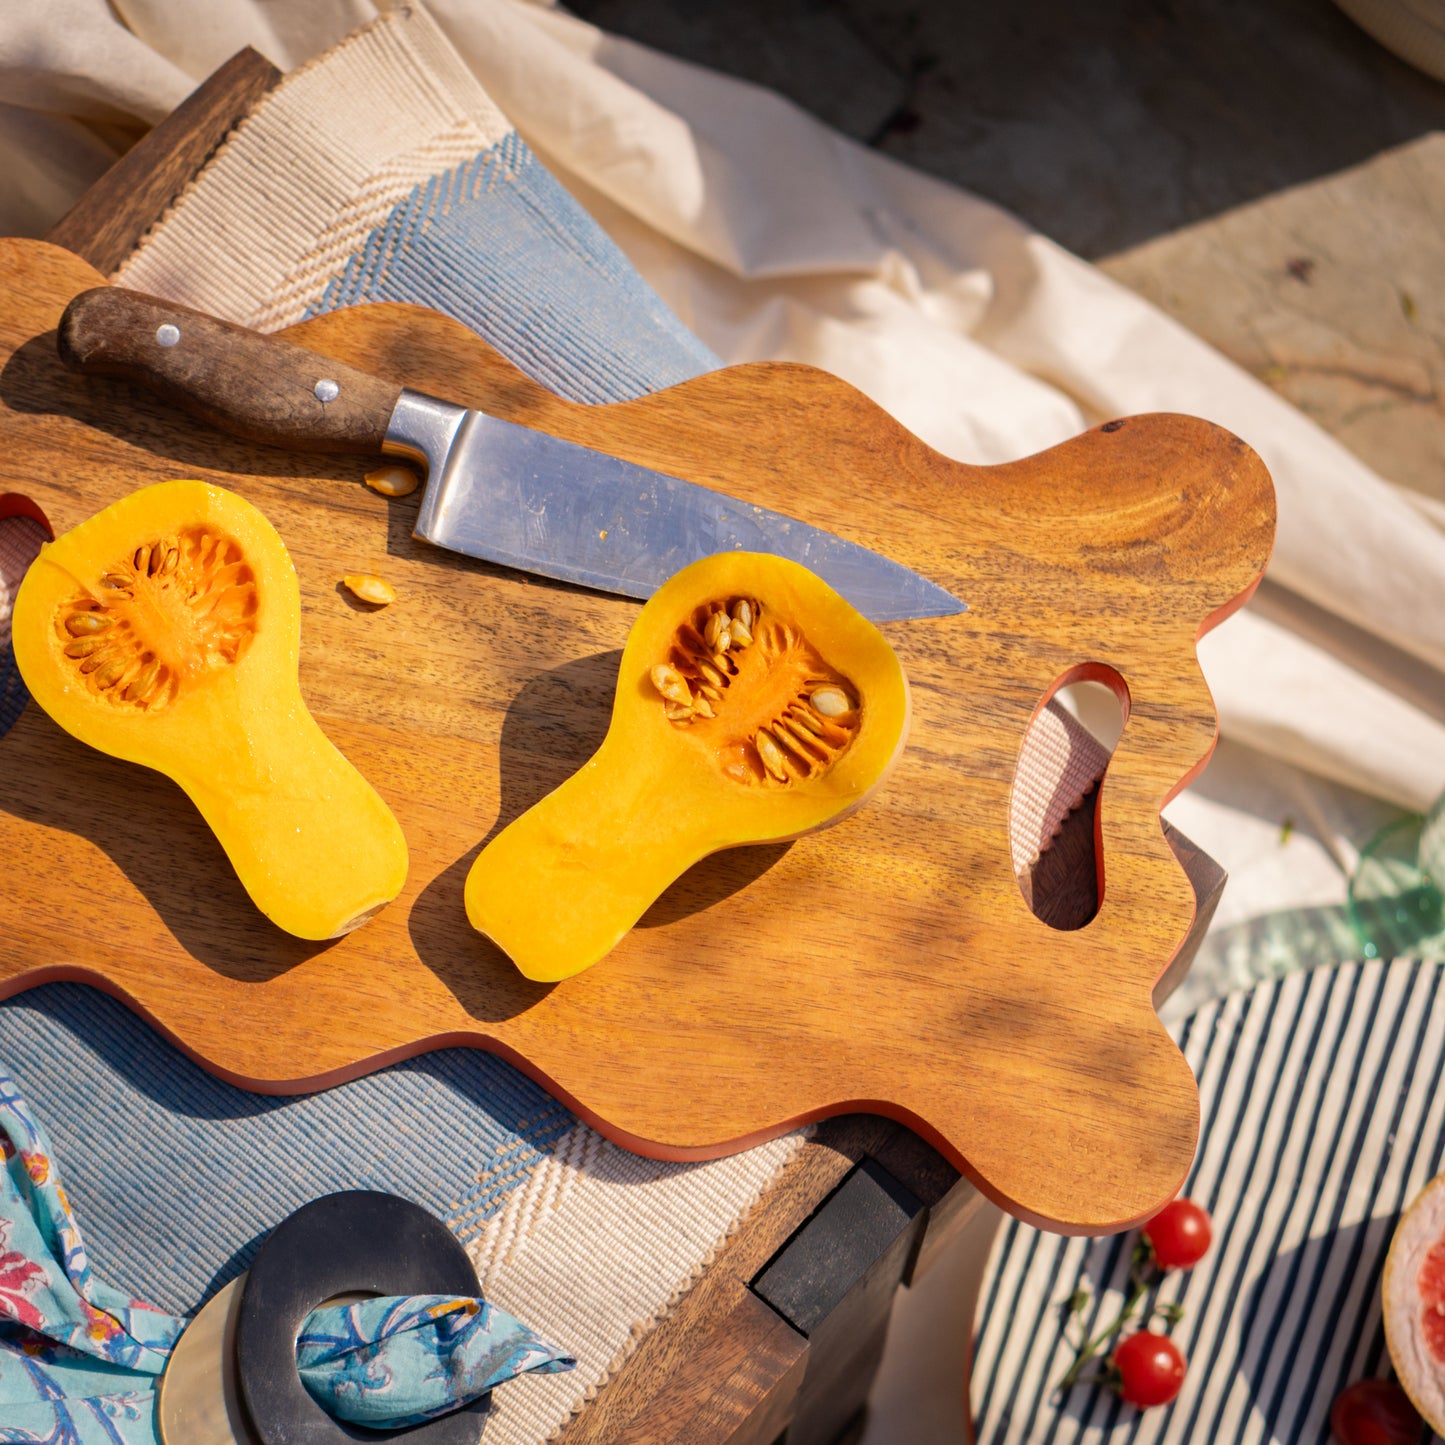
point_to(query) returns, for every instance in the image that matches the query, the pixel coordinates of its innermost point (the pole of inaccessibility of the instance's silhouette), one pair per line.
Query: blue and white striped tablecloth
(1322, 1117)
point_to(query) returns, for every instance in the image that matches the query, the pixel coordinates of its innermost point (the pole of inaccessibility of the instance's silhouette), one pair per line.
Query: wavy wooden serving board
(889, 964)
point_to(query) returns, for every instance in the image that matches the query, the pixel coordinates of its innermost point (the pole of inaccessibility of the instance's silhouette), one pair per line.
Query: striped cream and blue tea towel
(1323, 1116)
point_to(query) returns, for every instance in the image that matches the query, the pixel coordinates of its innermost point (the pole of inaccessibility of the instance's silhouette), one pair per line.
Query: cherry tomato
(1374, 1412)
(1180, 1235)
(1151, 1369)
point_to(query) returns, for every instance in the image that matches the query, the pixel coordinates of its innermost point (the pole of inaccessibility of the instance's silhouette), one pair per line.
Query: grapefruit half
(1414, 1302)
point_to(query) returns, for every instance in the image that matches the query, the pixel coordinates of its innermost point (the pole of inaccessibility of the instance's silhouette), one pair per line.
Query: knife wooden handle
(252, 386)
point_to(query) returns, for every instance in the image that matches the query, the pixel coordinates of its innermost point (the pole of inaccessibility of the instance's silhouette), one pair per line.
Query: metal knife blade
(495, 490)
(530, 500)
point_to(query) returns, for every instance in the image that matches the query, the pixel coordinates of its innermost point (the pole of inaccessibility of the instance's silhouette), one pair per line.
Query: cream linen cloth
(773, 237)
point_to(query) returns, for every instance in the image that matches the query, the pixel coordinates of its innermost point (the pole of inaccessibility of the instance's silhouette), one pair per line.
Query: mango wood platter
(890, 964)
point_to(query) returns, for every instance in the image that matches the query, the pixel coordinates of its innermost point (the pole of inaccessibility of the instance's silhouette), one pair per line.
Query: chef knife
(495, 490)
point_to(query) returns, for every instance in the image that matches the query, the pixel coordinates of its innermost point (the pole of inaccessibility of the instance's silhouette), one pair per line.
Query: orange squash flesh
(785, 728)
(166, 631)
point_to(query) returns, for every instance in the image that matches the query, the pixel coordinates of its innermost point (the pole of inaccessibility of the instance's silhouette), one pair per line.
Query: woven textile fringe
(665, 1223)
(1060, 761)
(332, 150)
(21, 539)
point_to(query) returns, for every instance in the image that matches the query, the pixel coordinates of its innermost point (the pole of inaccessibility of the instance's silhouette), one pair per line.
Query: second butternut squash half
(753, 705)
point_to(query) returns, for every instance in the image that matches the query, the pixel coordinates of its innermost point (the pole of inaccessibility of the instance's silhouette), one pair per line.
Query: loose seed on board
(376, 590)
(831, 701)
(393, 481)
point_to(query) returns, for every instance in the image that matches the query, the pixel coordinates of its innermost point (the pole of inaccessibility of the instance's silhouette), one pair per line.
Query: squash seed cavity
(173, 612)
(754, 692)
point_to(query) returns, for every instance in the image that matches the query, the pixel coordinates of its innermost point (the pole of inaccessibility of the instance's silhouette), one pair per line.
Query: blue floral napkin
(79, 1359)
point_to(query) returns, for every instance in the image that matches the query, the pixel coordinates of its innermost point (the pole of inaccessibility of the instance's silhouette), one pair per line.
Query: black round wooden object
(359, 1241)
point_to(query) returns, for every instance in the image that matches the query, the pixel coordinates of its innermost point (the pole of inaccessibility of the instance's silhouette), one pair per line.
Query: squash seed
(806, 723)
(393, 481)
(831, 701)
(717, 632)
(671, 684)
(375, 590)
(85, 624)
(142, 682)
(779, 714)
(771, 755)
(199, 612)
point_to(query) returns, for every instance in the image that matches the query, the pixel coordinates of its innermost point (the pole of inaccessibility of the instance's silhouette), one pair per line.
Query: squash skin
(560, 886)
(311, 841)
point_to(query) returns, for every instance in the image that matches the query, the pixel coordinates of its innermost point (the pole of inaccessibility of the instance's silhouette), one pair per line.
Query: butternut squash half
(753, 705)
(166, 631)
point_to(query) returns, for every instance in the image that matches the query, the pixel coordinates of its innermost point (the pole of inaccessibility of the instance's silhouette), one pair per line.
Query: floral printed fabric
(399, 1361)
(79, 1359)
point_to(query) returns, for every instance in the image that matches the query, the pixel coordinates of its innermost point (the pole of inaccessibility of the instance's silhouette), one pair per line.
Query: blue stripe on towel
(177, 1176)
(1323, 1116)
(498, 244)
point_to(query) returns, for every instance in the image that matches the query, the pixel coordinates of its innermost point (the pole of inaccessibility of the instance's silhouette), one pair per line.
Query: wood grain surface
(889, 965)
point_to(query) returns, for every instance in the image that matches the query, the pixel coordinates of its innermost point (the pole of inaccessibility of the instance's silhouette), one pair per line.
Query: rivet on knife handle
(253, 386)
